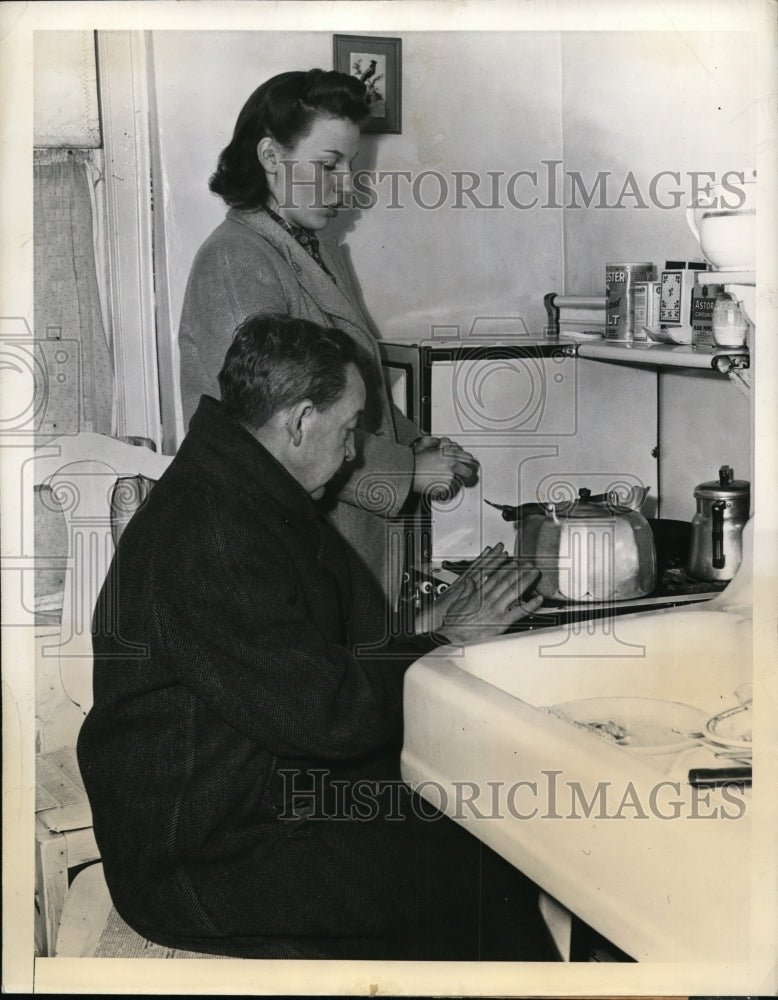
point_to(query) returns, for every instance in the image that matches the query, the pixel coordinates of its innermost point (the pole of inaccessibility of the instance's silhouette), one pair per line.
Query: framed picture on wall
(377, 63)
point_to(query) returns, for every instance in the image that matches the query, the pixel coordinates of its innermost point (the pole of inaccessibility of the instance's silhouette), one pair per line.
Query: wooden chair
(95, 483)
(91, 928)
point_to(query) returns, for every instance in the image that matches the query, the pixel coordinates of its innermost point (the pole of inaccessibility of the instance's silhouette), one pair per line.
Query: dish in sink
(641, 725)
(731, 728)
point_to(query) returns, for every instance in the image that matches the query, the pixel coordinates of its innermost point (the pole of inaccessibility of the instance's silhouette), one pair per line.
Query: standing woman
(285, 174)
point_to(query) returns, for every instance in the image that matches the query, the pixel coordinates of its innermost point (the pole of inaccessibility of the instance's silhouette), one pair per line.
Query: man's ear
(269, 154)
(298, 420)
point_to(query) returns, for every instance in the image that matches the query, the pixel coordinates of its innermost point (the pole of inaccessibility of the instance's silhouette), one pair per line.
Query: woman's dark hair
(284, 108)
(275, 362)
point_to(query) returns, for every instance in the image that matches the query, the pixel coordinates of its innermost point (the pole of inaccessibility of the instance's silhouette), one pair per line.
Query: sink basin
(692, 656)
(620, 839)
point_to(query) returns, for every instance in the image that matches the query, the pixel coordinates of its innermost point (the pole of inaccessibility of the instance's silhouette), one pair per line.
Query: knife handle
(714, 777)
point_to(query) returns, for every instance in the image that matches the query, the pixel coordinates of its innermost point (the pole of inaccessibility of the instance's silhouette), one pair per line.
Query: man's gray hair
(276, 361)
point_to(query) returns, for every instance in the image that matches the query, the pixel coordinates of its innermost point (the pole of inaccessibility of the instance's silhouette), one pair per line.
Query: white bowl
(728, 239)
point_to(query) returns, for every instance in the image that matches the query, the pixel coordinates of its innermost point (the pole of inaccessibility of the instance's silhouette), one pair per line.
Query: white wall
(645, 103)
(598, 101)
(202, 80)
(619, 102)
(470, 102)
(706, 423)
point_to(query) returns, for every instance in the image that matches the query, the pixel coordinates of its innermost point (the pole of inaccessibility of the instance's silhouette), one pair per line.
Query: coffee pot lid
(725, 486)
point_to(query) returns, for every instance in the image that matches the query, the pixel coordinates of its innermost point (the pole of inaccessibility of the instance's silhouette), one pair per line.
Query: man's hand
(484, 601)
(442, 467)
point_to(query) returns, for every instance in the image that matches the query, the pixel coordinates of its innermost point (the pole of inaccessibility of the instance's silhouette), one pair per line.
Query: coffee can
(703, 304)
(620, 280)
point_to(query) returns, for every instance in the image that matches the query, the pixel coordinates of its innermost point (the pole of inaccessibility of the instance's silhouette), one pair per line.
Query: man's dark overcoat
(225, 689)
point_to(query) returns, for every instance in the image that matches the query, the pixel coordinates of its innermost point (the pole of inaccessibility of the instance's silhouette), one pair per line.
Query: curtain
(70, 330)
(71, 341)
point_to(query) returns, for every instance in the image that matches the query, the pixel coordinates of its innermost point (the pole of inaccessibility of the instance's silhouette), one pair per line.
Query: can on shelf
(645, 308)
(703, 304)
(620, 280)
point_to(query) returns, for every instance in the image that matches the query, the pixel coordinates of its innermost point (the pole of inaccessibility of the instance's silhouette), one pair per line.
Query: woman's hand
(484, 601)
(442, 467)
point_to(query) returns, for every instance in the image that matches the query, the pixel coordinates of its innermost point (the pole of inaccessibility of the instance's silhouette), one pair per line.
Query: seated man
(242, 754)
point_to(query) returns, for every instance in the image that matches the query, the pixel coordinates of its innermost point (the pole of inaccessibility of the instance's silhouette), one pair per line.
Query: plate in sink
(732, 728)
(642, 725)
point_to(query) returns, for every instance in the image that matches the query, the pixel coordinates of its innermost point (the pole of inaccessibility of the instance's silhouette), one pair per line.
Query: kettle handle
(717, 536)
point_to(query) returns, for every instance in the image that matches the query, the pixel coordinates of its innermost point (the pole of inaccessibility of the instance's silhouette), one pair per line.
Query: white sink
(479, 746)
(692, 656)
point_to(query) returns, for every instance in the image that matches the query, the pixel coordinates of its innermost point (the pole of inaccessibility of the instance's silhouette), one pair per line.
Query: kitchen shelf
(719, 359)
(716, 359)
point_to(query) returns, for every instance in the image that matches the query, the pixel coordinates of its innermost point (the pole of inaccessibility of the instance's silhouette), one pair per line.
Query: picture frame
(378, 63)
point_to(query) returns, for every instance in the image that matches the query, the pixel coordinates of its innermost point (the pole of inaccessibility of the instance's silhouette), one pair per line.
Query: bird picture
(370, 70)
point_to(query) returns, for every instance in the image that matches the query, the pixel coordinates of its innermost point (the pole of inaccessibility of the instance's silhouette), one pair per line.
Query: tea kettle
(594, 548)
(717, 528)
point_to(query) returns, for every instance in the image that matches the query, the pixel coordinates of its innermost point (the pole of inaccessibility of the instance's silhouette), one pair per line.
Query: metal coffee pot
(717, 528)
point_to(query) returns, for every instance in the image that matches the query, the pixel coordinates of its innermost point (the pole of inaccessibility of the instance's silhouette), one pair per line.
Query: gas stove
(675, 587)
(673, 590)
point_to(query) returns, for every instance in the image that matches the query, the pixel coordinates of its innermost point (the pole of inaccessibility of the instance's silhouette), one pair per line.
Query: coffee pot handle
(717, 509)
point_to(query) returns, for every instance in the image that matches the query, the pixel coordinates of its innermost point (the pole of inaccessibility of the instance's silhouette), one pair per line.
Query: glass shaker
(729, 324)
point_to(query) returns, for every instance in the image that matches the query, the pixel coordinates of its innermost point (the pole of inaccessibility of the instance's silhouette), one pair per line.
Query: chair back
(128, 496)
(97, 483)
